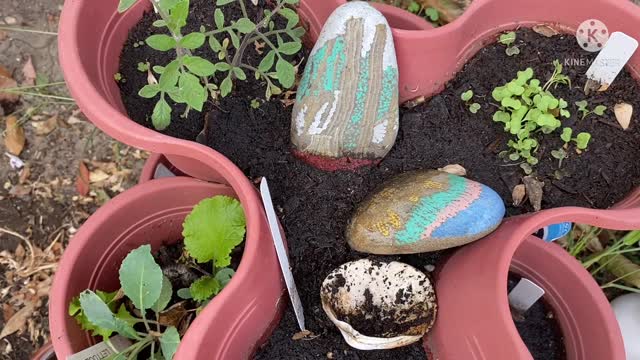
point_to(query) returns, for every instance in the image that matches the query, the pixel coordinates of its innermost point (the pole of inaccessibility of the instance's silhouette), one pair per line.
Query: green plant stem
(243, 8)
(237, 58)
(621, 287)
(582, 243)
(9, 28)
(249, 67)
(153, 351)
(609, 251)
(620, 278)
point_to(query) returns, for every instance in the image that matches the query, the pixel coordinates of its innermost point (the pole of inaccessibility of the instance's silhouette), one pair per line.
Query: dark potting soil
(538, 328)
(314, 206)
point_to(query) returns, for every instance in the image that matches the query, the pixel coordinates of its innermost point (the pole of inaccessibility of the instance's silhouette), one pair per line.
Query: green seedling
(191, 79)
(582, 107)
(117, 77)
(509, 40)
(559, 154)
(143, 67)
(432, 14)
(582, 140)
(212, 230)
(557, 77)
(566, 135)
(466, 97)
(255, 103)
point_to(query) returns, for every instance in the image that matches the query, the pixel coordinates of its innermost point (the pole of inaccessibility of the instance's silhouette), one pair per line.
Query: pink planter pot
(152, 213)
(472, 295)
(428, 58)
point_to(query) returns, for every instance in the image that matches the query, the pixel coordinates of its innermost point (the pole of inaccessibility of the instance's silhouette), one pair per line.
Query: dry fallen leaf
(173, 315)
(6, 81)
(45, 127)
(518, 195)
(98, 175)
(20, 191)
(623, 113)
(415, 102)
(302, 335)
(14, 138)
(455, 169)
(545, 30)
(18, 321)
(29, 73)
(534, 191)
(82, 181)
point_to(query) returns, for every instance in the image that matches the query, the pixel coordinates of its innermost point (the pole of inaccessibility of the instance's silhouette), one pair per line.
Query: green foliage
(191, 80)
(432, 14)
(582, 107)
(141, 278)
(557, 77)
(582, 140)
(466, 97)
(143, 67)
(474, 108)
(566, 135)
(204, 288)
(75, 310)
(428, 13)
(509, 39)
(255, 103)
(612, 257)
(213, 229)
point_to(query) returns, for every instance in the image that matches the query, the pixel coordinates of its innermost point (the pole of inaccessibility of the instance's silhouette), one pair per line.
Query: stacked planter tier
(91, 37)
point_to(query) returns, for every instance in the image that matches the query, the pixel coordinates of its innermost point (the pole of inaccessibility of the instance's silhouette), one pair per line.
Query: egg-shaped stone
(627, 311)
(379, 305)
(346, 109)
(425, 210)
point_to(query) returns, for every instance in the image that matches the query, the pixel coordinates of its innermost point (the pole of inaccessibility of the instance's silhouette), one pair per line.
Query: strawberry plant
(191, 80)
(212, 230)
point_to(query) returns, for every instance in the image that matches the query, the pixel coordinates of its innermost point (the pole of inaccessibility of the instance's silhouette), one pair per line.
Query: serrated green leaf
(235, 40)
(161, 42)
(178, 13)
(223, 2)
(169, 76)
(267, 62)
(245, 25)
(239, 73)
(192, 41)
(176, 95)
(125, 315)
(286, 73)
(193, 92)
(169, 342)
(124, 5)
(149, 91)
(226, 86)
(296, 33)
(161, 116)
(224, 275)
(214, 228)
(141, 276)
(204, 288)
(218, 17)
(165, 295)
(215, 44)
(199, 66)
(291, 16)
(290, 48)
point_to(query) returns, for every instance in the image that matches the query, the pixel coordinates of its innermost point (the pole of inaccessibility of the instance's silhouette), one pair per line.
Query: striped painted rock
(423, 211)
(346, 110)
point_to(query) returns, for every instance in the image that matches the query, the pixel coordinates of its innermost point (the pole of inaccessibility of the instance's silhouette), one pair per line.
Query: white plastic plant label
(102, 350)
(611, 60)
(524, 295)
(162, 172)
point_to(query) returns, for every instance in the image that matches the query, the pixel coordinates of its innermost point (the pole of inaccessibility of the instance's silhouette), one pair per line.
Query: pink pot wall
(472, 295)
(152, 213)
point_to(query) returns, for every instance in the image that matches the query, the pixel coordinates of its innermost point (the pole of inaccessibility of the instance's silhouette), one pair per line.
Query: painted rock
(627, 310)
(346, 110)
(379, 305)
(422, 211)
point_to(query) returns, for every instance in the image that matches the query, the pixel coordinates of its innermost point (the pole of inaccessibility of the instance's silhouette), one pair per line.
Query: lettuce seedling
(189, 79)
(211, 231)
(466, 97)
(582, 107)
(509, 39)
(582, 140)
(143, 283)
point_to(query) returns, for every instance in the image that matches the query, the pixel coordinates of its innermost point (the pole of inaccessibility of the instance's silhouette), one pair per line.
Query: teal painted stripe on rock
(427, 210)
(335, 65)
(389, 88)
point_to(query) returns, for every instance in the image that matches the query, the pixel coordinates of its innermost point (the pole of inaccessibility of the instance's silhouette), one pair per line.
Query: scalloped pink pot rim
(156, 208)
(587, 321)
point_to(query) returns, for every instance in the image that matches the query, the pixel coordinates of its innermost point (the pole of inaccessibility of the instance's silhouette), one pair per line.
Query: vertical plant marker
(102, 350)
(162, 172)
(524, 295)
(610, 61)
(282, 253)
